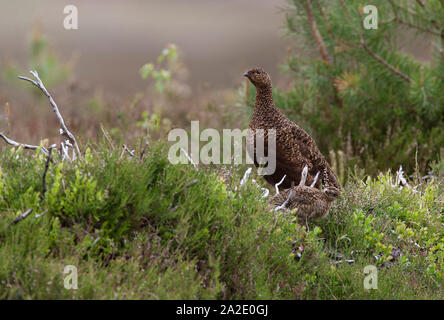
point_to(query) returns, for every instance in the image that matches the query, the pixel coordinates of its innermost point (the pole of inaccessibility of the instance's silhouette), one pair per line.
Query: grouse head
(332, 193)
(258, 77)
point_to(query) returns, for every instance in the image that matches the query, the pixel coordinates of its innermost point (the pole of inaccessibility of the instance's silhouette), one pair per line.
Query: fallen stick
(20, 218)
(23, 145)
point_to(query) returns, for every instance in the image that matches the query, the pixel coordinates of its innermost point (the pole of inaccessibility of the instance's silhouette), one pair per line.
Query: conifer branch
(414, 26)
(400, 74)
(373, 54)
(290, 196)
(333, 35)
(366, 48)
(315, 32)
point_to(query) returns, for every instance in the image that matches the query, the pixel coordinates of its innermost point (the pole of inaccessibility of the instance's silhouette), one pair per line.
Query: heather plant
(137, 226)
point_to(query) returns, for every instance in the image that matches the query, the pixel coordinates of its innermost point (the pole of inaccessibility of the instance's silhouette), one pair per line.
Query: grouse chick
(294, 147)
(311, 203)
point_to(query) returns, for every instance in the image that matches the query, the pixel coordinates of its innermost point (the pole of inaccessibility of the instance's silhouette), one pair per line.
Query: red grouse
(294, 147)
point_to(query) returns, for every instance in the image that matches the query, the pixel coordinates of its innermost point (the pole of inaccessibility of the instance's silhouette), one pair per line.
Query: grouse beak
(246, 75)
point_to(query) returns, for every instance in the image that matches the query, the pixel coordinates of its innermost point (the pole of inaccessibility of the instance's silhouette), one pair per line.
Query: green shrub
(149, 229)
(367, 97)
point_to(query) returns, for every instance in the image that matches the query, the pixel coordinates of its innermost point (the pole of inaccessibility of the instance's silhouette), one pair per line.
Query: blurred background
(218, 39)
(136, 69)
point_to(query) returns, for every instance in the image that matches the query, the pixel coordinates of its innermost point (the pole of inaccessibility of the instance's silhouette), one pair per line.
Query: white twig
(41, 214)
(65, 154)
(400, 180)
(23, 145)
(284, 205)
(95, 241)
(244, 180)
(315, 180)
(63, 129)
(245, 177)
(131, 152)
(265, 191)
(276, 186)
(189, 158)
(303, 176)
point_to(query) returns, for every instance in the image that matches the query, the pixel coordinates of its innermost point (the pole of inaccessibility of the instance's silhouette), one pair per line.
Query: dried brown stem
(421, 3)
(142, 154)
(48, 160)
(315, 32)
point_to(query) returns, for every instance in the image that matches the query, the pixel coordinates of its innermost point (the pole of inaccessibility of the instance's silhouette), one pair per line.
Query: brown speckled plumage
(311, 203)
(294, 147)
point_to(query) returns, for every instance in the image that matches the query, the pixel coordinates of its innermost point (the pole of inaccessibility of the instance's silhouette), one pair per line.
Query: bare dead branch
(191, 183)
(245, 177)
(265, 191)
(441, 50)
(315, 32)
(48, 160)
(145, 147)
(20, 218)
(421, 3)
(23, 145)
(303, 176)
(189, 158)
(63, 129)
(276, 186)
(291, 194)
(41, 214)
(64, 151)
(315, 180)
(125, 148)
